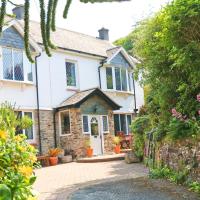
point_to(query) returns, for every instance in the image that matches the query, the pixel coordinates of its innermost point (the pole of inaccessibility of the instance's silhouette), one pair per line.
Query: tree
(168, 46)
(47, 20)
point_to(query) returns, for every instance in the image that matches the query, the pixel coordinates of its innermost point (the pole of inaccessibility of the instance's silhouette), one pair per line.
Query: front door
(96, 136)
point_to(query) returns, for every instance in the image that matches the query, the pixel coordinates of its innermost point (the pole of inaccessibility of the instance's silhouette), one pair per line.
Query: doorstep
(102, 158)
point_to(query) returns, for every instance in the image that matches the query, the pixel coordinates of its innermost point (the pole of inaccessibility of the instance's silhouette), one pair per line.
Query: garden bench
(44, 160)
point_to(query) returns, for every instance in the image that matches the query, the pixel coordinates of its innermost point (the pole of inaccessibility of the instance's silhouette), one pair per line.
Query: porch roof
(80, 97)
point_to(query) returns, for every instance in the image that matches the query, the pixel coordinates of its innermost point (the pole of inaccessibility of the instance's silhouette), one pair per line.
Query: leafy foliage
(168, 47)
(17, 157)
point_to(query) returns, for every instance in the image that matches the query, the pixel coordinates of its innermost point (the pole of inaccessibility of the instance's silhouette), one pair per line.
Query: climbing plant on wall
(47, 20)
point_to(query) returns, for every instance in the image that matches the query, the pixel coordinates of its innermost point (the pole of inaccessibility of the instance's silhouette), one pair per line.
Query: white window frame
(125, 119)
(107, 123)
(128, 74)
(76, 74)
(25, 71)
(60, 123)
(33, 125)
(86, 133)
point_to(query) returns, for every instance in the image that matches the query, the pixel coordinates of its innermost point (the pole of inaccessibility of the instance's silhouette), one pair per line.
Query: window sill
(65, 135)
(119, 92)
(17, 82)
(75, 89)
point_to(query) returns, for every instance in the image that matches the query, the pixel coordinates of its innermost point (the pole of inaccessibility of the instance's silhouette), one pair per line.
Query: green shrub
(17, 157)
(179, 129)
(194, 186)
(157, 173)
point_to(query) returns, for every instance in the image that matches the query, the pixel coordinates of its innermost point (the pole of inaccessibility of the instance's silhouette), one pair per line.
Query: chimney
(19, 12)
(103, 34)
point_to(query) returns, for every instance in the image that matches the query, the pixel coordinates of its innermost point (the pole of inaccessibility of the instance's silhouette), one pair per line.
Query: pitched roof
(80, 97)
(71, 40)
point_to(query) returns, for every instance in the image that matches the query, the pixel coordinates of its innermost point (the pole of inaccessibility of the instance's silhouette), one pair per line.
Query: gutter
(38, 103)
(54, 126)
(99, 72)
(135, 105)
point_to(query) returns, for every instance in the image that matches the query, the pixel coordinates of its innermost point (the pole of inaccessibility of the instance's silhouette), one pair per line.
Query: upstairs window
(13, 64)
(109, 78)
(71, 74)
(121, 79)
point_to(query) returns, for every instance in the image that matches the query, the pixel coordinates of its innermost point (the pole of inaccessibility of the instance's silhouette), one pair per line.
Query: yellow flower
(33, 158)
(22, 149)
(18, 138)
(3, 135)
(25, 171)
(32, 198)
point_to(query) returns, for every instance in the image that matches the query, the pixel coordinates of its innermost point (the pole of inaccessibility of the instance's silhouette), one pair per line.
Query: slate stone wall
(11, 38)
(181, 155)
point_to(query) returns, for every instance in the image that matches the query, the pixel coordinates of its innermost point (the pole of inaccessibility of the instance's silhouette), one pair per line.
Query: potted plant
(116, 141)
(89, 150)
(53, 156)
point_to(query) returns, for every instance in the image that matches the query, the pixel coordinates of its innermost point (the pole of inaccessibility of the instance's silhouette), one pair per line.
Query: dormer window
(13, 65)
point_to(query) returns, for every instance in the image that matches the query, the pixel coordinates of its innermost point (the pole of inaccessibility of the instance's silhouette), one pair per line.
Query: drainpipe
(38, 102)
(99, 68)
(54, 126)
(135, 105)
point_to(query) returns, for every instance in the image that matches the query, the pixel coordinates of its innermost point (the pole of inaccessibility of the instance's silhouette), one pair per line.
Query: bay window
(109, 78)
(120, 80)
(13, 65)
(122, 123)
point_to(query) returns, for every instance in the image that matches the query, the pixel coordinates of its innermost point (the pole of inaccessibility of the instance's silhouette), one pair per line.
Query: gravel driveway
(134, 189)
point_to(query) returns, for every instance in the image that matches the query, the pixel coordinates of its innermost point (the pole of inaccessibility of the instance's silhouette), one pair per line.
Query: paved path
(56, 183)
(134, 189)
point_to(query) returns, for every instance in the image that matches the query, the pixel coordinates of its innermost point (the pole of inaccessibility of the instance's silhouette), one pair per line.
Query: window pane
(70, 72)
(123, 123)
(29, 72)
(94, 126)
(7, 64)
(117, 79)
(65, 123)
(124, 79)
(18, 65)
(129, 81)
(129, 120)
(18, 116)
(116, 123)
(105, 123)
(85, 124)
(29, 131)
(109, 78)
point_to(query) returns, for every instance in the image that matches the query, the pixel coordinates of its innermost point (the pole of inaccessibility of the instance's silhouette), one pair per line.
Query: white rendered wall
(22, 94)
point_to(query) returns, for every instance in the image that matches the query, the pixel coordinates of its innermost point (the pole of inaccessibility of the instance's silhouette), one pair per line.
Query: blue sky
(119, 18)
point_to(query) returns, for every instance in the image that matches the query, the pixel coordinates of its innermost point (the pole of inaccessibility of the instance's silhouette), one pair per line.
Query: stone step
(102, 158)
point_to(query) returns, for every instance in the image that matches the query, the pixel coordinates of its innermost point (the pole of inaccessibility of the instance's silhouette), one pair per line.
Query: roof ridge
(77, 33)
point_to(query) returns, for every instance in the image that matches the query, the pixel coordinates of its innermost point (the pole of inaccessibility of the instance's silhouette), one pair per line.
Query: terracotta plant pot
(53, 161)
(89, 152)
(117, 149)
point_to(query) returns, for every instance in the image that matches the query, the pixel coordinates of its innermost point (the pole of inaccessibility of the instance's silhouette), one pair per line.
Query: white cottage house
(85, 90)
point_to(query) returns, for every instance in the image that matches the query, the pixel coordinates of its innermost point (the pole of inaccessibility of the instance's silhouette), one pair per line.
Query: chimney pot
(19, 12)
(104, 34)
